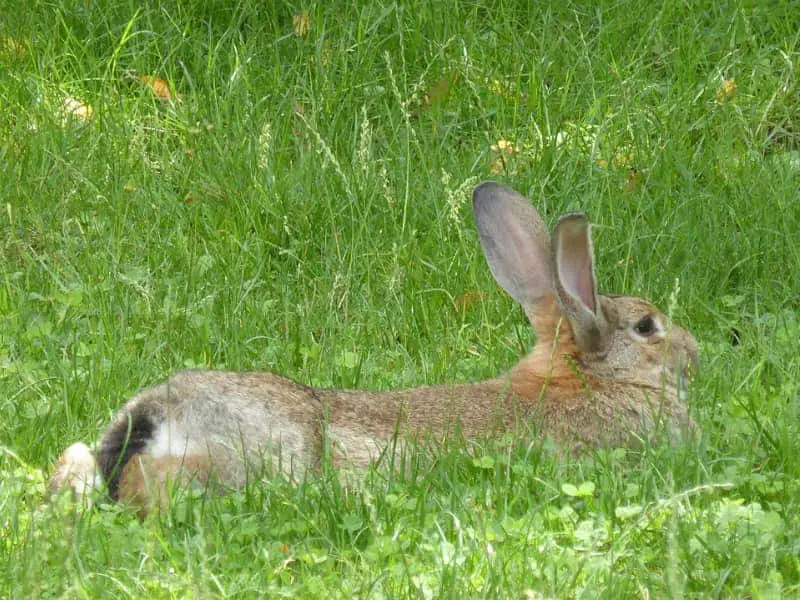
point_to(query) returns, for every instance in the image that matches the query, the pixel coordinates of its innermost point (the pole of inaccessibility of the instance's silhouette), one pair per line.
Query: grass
(300, 205)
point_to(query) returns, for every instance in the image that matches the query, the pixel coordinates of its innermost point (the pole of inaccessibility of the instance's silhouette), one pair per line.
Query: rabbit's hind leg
(147, 483)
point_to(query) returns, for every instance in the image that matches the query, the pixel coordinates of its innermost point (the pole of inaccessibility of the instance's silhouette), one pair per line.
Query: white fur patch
(171, 439)
(77, 470)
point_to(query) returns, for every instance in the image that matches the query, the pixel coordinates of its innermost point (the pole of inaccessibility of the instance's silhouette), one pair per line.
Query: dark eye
(646, 326)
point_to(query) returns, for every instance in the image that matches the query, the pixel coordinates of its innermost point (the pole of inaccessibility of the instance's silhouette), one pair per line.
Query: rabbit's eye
(645, 327)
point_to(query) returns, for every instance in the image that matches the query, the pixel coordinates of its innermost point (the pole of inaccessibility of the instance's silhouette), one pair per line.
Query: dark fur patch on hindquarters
(125, 438)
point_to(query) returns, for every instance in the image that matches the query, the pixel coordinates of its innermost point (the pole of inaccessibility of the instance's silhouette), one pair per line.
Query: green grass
(337, 250)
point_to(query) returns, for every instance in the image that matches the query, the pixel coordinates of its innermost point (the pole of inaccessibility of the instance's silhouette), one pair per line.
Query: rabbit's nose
(690, 357)
(693, 354)
(693, 367)
(686, 350)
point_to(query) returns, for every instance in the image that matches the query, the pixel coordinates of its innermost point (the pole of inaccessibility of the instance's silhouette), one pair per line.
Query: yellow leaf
(726, 90)
(503, 89)
(12, 48)
(77, 109)
(622, 159)
(498, 165)
(301, 23)
(504, 147)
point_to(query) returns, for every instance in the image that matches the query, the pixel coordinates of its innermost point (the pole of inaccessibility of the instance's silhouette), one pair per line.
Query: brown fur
(606, 370)
(146, 482)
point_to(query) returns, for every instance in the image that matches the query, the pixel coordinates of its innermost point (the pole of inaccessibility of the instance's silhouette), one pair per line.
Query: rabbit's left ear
(575, 283)
(515, 242)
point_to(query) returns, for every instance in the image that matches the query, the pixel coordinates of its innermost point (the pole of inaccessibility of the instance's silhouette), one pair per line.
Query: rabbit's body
(605, 369)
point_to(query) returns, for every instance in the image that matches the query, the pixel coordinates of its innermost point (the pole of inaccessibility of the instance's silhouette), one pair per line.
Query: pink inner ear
(515, 243)
(584, 282)
(575, 268)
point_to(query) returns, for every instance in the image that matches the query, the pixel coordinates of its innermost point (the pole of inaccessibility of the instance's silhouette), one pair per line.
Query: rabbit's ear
(575, 282)
(515, 242)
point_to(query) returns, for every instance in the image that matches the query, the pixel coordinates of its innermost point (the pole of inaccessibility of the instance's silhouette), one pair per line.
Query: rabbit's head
(613, 339)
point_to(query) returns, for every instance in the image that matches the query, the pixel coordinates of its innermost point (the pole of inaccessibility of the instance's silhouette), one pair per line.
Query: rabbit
(606, 370)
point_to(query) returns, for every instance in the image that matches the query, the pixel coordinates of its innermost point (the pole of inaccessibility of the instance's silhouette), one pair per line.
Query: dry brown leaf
(159, 87)
(440, 90)
(633, 179)
(301, 23)
(469, 299)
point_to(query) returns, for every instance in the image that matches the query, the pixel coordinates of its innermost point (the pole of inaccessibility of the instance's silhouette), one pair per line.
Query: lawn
(286, 187)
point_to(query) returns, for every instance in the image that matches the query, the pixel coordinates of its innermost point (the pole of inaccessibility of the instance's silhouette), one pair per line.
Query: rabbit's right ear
(575, 282)
(515, 242)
